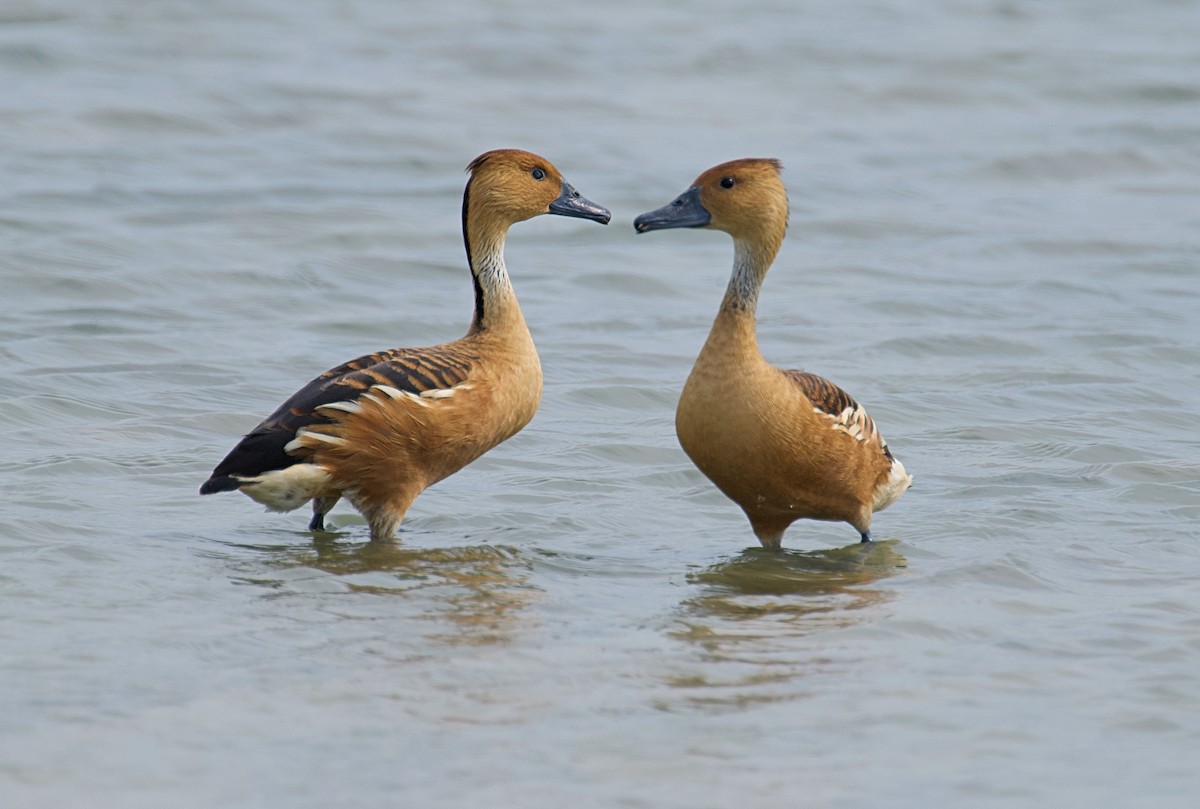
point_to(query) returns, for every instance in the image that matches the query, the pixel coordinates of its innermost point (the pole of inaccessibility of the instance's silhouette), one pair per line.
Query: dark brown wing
(407, 369)
(846, 414)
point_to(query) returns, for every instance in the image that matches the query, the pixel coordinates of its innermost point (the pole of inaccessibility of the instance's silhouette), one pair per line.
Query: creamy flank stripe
(853, 421)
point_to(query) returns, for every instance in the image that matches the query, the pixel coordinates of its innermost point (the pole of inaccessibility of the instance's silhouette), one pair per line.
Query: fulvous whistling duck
(783, 445)
(382, 428)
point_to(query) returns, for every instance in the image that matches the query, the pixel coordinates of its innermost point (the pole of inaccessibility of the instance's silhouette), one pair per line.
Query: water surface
(993, 245)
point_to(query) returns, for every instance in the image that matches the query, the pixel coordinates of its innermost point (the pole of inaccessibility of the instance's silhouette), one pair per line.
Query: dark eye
(538, 174)
(727, 182)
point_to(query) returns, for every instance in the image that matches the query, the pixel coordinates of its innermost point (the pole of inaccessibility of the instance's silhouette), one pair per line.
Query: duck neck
(496, 307)
(734, 327)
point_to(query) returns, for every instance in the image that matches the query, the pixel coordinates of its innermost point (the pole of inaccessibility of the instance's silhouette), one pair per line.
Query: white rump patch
(286, 489)
(889, 491)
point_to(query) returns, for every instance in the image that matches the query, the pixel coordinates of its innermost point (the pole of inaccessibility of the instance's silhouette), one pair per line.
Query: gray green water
(994, 245)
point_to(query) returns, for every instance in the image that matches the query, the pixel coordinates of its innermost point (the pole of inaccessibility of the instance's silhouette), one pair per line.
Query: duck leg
(321, 507)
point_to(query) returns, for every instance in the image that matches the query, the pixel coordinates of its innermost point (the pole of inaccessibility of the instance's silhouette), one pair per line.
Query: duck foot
(866, 536)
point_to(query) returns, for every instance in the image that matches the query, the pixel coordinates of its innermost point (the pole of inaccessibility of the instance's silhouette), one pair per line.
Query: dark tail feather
(220, 483)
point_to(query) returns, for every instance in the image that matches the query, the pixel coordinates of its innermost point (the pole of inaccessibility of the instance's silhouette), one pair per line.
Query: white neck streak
(495, 300)
(750, 265)
(488, 265)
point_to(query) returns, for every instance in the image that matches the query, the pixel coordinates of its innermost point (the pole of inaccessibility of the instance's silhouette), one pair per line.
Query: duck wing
(406, 369)
(844, 413)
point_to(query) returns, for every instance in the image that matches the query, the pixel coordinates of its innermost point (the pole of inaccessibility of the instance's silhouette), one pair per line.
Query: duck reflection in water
(481, 591)
(753, 613)
(806, 591)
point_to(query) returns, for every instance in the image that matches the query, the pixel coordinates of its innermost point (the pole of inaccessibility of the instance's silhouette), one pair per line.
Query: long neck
(495, 301)
(734, 327)
(751, 260)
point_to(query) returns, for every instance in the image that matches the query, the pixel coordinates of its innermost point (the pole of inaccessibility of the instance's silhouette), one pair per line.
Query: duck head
(510, 186)
(745, 198)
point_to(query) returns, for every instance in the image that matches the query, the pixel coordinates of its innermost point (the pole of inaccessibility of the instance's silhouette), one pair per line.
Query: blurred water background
(994, 243)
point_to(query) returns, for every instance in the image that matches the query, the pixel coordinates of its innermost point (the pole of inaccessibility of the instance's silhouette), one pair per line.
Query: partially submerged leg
(321, 507)
(385, 517)
(863, 524)
(769, 533)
